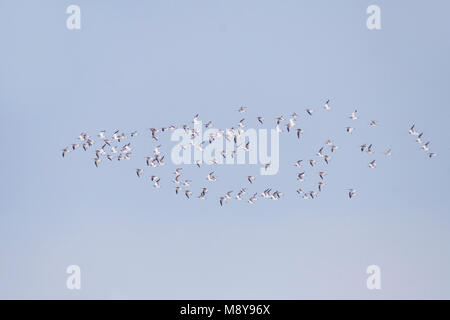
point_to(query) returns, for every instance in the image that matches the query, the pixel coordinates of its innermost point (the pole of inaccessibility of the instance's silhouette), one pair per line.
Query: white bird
(261, 119)
(97, 161)
(228, 195)
(388, 152)
(203, 193)
(253, 198)
(211, 177)
(290, 124)
(298, 163)
(187, 183)
(312, 162)
(176, 180)
(353, 115)
(279, 119)
(65, 151)
(242, 109)
(250, 179)
(372, 164)
(327, 105)
(432, 154)
(322, 174)
(327, 158)
(188, 193)
(426, 146)
(412, 130)
(138, 172)
(419, 138)
(320, 152)
(196, 121)
(309, 111)
(300, 176)
(299, 132)
(321, 184)
(373, 123)
(349, 129)
(351, 193)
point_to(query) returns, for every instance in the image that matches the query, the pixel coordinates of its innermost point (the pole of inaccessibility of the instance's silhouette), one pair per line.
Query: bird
(351, 193)
(203, 193)
(322, 174)
(261, 119)
(426, 146)
(373, 123)
(432, 154)
(177, 179)
(353, 115)
(250, 179)
(97, 161)
(349, 129)
(412, 131)
(211, 176)
(327, 105)
(242, 109)
(320, 152)
(309, 111)
(65, 151)
(138, 172)
(312, 162)
(320, 184)
(299, 132)
(372, 164)
(419, 138)
(253, 198)
(298, 163)
(388, 152)
(187, 193)
(300, 176)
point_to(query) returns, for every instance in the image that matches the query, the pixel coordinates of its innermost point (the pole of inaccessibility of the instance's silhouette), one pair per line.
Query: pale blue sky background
(137, 64)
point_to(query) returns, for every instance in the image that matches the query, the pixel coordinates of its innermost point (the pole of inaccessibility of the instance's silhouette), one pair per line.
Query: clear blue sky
(137, 64)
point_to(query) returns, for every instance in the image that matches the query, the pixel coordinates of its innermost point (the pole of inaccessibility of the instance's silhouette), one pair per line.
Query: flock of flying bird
(110, 150)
